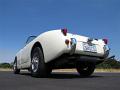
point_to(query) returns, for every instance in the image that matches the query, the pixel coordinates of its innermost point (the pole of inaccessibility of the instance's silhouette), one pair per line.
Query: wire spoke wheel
(35, 63)
(38, 66)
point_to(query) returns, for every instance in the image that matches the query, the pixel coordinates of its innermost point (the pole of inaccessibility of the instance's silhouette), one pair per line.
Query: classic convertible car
(59, 49)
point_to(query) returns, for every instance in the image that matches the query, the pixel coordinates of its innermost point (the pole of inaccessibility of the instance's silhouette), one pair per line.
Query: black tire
(15, 69)
(38, 66)
(86, 70)
(49, 70)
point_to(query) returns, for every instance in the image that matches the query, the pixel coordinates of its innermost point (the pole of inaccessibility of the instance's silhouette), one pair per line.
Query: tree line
(107, 64)
(6, 65)
(111, 63)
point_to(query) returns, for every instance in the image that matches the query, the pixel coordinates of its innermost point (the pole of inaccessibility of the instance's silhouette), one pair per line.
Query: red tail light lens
(64, 31)
(67, 42)
(105, 41)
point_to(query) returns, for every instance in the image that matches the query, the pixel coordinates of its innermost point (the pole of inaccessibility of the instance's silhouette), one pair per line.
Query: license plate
(89, 48)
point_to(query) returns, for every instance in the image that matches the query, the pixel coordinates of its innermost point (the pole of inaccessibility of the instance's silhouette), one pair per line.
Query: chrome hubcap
(34, 64)
(85, 68)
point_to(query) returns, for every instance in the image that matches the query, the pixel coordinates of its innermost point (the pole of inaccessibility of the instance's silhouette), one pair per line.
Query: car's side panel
(18, 56)
(25, 56)
(53, 44)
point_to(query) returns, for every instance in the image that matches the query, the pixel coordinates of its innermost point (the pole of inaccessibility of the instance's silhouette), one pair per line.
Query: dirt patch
(107, 70)
(96, 70)
(71, 70)
(65, 70)
(5, 69)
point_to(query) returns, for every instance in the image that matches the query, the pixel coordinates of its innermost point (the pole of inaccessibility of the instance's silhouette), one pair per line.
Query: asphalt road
(60, 81)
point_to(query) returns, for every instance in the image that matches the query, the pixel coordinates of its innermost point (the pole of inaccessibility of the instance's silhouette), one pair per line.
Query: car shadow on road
(70, 76)
(63, 75)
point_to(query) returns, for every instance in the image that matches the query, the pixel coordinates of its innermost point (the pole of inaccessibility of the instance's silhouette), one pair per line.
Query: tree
(110, 63)
(5, 65)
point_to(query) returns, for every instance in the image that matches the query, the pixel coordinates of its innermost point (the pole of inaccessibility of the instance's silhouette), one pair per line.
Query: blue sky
(22, 18)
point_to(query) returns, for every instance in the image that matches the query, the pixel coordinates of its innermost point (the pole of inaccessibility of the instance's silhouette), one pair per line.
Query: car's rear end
(81, 52)
(86, 48)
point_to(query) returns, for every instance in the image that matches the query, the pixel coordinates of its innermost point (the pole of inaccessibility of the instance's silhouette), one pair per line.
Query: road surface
(59, 81)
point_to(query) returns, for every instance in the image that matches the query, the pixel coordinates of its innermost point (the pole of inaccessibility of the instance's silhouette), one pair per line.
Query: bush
(111, 63)
(5, 65)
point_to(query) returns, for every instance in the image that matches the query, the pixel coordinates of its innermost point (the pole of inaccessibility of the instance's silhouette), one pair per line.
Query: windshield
(30, 38)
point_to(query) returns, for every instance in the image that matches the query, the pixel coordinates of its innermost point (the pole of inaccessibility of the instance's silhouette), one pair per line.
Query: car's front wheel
(15, 69)
(85, 69)
(38, 66)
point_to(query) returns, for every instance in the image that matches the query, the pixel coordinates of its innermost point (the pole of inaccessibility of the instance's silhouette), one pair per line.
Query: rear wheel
(85, 69)
(15, 69)
(49, 70)
(38, 66)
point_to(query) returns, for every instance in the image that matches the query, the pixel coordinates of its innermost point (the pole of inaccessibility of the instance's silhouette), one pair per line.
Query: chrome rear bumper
(73, 49)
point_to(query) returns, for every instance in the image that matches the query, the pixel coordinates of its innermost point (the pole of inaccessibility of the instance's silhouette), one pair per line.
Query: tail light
(67, 42)
(64, 31)
(105, 41)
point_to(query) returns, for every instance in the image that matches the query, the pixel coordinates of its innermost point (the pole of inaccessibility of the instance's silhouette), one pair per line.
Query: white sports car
(59, 49)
